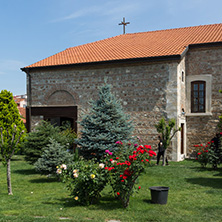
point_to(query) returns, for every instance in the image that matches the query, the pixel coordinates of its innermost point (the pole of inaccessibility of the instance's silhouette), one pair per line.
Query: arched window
(198, 92)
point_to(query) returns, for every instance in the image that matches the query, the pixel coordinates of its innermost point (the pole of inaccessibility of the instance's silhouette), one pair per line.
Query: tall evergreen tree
(12, 131)
(105, 124)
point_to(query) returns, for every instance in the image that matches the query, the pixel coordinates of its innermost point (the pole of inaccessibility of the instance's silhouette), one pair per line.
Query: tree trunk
(164, 153)
(9, 177)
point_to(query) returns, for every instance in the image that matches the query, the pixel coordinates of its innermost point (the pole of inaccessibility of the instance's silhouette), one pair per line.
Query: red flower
(147, 146)
(152, 152)
(106, 168)
(120, 175)
(201, 144)
(117, 158)
(139, 187)
(128, 163)
(124, 177)
(198, 153)
(206, 151)
(118, 193)
(111, 160)
(212, 141)
(122, 180)
(147, 160)
(142, 160)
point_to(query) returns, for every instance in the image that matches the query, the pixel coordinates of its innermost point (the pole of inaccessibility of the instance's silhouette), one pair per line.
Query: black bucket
(159, 195)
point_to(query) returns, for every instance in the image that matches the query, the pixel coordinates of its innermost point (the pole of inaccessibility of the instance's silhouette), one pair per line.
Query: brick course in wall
(147, 91)
(201, 129)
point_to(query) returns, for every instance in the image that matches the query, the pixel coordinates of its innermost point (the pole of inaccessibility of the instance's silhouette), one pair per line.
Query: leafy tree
(12, 131)
(54, 154)
(105, 124)
(167, 131)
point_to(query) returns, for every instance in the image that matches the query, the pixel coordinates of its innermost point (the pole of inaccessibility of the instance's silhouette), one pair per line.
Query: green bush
(85, 179)
(39, 138)
(53, 155)
(209, 154)
(125, 167)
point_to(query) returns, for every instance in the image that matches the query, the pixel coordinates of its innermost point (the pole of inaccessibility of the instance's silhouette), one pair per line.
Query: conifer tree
(12, 131)
(54, 154)
(37, 140)
(105, 124)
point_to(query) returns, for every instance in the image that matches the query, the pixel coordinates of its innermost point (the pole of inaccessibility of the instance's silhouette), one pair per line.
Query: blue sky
(32, 30)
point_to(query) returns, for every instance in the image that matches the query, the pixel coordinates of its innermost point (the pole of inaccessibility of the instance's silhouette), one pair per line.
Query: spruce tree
(54, 154)
(105, 124)
(37, 140)
(12, 131)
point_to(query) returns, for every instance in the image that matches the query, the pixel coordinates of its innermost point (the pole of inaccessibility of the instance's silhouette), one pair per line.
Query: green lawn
(195, 195)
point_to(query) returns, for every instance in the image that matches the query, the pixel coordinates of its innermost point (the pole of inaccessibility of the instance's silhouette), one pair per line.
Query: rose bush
(209, 154)
(85, 179)
(125, 167)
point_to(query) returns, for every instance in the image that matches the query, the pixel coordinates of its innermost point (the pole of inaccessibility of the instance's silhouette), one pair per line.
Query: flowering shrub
(125, 167)
(202, 154)
(85, 179)
(209, 154)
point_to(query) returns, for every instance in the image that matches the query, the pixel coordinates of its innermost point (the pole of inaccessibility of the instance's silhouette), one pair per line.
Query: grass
(195, 195)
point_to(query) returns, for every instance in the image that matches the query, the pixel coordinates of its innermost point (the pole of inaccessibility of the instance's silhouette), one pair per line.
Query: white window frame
(206, 78)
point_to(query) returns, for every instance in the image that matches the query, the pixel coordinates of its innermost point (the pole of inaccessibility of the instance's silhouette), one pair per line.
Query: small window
(198, 91)
(182, 76)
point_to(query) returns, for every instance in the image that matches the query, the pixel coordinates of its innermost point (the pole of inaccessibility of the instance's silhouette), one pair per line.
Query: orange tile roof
(22, 112)
(138, 45)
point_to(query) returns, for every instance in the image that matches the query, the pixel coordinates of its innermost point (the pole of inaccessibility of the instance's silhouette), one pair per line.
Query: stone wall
(147, 91)
(202, 128)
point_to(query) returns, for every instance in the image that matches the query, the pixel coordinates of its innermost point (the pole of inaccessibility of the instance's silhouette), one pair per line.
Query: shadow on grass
(215, 183)
(26, 171)
(218, 171)
(104, 203)
(147, 201)
(44, 180)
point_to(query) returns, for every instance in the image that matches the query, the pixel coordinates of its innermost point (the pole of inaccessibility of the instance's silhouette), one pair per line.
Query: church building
(174, 73)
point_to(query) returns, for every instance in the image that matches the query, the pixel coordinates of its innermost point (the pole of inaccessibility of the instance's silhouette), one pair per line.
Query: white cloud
(107, 9)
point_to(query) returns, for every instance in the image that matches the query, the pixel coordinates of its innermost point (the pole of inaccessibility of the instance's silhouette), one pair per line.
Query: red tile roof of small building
(137, 45)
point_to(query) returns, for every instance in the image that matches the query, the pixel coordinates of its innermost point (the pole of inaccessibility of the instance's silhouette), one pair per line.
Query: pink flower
(119, 142)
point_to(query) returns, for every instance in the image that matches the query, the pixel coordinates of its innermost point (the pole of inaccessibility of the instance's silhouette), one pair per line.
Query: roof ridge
(162, 30)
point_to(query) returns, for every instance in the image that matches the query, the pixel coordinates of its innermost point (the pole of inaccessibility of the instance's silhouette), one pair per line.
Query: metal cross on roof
(124, 24)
